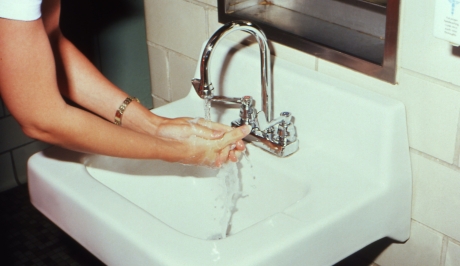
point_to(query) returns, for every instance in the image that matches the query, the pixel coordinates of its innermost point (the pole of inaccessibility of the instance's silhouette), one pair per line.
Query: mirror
(358, 34)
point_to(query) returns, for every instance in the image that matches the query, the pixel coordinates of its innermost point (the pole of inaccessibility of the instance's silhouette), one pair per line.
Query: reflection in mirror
(358, 34)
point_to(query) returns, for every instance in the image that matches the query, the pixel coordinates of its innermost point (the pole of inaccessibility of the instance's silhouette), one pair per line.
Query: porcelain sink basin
(347, 186)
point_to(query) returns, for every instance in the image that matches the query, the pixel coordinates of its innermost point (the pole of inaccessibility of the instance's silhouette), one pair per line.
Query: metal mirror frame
(385, 71)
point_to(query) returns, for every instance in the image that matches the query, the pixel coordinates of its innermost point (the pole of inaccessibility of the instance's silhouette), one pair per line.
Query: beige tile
(422, 249)
(209, 2)
(432, 115)
(432, 110)
(157, 102)
(237, 37)
(213, 21)
(436, 197)
(453, 254)
(419, 50)
(176, 24)
(159, 72)
(182, 71)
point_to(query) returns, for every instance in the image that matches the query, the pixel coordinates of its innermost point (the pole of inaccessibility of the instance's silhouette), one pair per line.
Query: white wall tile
(432, 115)
(157, 102)
(432, 110)
(422, 249)
(420, 51)
(209, 2)
(182, 70)
(453, 254)
(159, 72)
(436, 197)
(176, 24)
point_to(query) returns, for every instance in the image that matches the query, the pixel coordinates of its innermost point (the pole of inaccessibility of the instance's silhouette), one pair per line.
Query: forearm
(29, 89)
(78, 130)
(81, 82)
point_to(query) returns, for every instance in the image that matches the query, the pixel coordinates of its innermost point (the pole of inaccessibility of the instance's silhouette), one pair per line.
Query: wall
(15, 149)
(112, 35)
(428, 85)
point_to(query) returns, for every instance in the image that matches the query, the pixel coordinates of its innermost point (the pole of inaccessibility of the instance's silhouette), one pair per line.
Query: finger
(222, 157)
(234, 135)
(232, 156)
(214, 125)
(240, 146)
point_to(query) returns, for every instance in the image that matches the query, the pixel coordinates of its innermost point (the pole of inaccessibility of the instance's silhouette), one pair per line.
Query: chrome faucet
(277, 136)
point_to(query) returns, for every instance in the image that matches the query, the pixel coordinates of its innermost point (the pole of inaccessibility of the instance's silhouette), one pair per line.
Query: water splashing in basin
(231, 192)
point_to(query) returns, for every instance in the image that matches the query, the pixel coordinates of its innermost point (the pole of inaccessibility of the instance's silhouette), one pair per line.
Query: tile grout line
(434, 159)
(445, 242)
(15, 172)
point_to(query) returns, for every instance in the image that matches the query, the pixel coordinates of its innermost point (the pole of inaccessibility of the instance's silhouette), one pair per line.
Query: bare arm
(30, 89)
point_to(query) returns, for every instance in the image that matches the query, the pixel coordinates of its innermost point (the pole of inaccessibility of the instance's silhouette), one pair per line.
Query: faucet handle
(248, 114)
(286, 130)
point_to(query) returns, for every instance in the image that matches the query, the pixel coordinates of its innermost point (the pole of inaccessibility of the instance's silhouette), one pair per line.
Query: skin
(39, 66)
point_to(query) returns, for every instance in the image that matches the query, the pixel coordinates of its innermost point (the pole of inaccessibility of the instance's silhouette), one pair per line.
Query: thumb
(234, 135)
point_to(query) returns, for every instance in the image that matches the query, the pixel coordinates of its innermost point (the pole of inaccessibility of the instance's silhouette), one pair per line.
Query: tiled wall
(428, 85)
(15, 149)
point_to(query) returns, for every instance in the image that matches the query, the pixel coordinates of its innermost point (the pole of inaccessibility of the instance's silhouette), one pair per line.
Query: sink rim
(135, 236)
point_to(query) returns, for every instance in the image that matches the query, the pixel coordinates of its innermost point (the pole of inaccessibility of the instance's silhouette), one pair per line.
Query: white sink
(347, 186)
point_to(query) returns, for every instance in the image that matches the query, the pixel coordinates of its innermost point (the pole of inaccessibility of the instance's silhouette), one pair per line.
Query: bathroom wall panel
(436, 199)
(432, 110)
(182, 32)
(11, 134)
(453, 254)
(112, 35)
(182, 71)
(2, 112)
(7, 179)
(209, 2)
(159, 66)
(420, 50)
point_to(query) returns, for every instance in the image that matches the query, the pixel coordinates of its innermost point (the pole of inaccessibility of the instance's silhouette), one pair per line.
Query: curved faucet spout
(204, 87)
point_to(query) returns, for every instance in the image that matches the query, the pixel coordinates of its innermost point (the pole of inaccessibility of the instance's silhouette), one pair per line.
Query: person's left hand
(185, 127)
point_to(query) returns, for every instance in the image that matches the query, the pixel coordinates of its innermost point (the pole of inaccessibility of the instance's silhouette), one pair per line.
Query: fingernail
(246, 129)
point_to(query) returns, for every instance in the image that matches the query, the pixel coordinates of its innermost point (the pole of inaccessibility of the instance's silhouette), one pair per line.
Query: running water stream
(231, 187)
(207, 109)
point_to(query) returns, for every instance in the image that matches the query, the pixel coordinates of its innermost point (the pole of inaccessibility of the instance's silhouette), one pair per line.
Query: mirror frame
(385, 71)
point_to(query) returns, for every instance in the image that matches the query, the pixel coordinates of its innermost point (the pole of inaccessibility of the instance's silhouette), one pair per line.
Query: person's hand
(203, 142)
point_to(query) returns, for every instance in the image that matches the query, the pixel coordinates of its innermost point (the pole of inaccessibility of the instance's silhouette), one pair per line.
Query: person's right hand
(202, 142)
